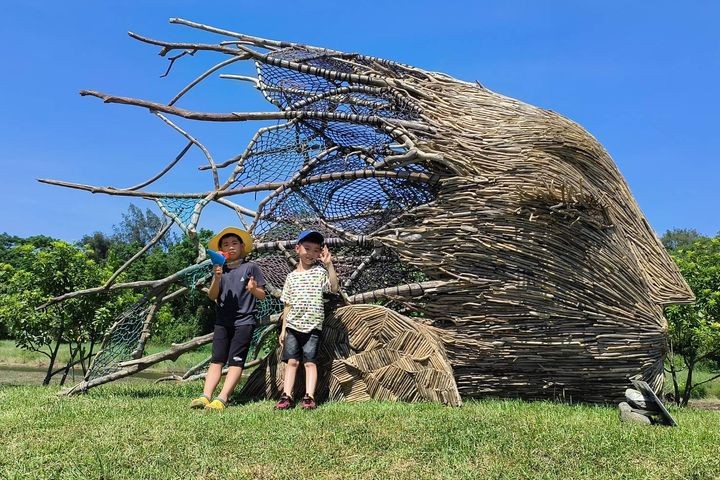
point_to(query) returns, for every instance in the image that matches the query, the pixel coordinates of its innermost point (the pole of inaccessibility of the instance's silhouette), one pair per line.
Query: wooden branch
(239, 209)
(192, 139)
(153, 284)
(352, 175)
(360, 241)
(175, 58)
(134, 366)
(408, 290)
(158, 235)
(331, 75)
(164, 170)
(260, 42)
(246, 116)
(244, 78)
(203, 76)
(169, 46)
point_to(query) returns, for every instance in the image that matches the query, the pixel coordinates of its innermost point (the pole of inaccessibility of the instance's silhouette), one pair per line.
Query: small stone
(627, 415)
(637, 399)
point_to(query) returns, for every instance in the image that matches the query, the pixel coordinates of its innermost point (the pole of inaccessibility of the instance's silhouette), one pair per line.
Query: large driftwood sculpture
(505, 226)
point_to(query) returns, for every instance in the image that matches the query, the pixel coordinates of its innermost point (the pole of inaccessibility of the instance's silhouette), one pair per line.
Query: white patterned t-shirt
(303, 291)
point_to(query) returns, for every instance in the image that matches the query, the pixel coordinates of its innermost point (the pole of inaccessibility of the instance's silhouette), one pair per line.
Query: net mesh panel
(180, 209)
(270, 305)
(278, 153)
(285, 87)
(120, 342)
(264, 341)
(199, 275)
(275, 268)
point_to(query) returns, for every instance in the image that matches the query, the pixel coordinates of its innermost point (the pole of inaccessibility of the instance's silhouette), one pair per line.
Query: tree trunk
(69, 364)
(688, 384)
(674, 375)
(53, 356)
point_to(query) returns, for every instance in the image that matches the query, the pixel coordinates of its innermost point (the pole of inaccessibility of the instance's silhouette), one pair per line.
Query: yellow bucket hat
(214, 243)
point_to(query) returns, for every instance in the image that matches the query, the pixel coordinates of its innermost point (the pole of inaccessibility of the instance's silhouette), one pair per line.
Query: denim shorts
(301, 346)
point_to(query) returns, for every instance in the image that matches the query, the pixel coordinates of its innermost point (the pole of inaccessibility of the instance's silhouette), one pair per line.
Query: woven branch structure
(502, 247)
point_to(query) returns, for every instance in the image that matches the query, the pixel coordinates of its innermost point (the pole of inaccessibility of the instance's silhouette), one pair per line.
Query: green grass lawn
(138, 430)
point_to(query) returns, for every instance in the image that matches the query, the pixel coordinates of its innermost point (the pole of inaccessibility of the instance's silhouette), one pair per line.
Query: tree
(694, 330)
(49, 271)
(679, 237)
(97, 244)
(139, 228)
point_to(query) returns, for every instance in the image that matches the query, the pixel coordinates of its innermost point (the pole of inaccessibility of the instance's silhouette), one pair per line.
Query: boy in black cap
(304, 314)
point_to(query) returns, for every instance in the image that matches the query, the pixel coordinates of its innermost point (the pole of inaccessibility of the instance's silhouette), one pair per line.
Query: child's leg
(237, 353)
(310, 378)
(231, 380)
(310, 351)
(291, 355)
(290, 372)
(212, 379)
(220, 349)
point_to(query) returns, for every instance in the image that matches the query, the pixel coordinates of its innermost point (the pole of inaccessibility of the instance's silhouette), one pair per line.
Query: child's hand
(251, 284)
(326, 256)
(217, 271)
(281, 337)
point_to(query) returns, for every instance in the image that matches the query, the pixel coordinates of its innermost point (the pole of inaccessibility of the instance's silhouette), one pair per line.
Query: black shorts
(231, 344)
(301, 346)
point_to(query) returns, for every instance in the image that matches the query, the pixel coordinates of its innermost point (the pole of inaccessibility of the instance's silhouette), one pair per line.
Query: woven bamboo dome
(551, 280)
(505, 227)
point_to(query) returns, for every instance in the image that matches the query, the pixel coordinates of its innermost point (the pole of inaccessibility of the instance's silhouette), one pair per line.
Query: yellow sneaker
(216, 405)
(200, 402)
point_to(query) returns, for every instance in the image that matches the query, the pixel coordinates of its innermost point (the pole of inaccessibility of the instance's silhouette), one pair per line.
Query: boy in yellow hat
(236, 286)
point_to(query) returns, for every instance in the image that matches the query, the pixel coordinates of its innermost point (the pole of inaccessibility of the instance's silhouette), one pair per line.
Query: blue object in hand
(217, 258)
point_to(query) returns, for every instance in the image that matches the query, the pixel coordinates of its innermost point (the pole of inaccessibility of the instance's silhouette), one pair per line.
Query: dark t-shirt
(235, 305)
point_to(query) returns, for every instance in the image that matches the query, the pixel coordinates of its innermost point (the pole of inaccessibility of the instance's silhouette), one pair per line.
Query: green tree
(679, 238)
(51, 271)
(97, 245)
(139, 228)
(694, 330)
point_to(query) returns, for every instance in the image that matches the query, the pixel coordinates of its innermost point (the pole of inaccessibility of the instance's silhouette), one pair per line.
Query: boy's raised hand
(326, 256)
(251, 284)
(217, 271)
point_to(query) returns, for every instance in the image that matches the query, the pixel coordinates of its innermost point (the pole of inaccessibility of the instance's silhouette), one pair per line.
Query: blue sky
(642, 77)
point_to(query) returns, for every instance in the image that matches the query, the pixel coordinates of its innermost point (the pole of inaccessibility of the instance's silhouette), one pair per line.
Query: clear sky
(642, 77)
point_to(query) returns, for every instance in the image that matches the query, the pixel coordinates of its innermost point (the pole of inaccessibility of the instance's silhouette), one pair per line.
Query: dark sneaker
(308, 402)
(285, 403)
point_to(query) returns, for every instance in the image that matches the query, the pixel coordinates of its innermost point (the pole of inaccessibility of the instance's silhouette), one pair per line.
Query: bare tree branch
(247, 116)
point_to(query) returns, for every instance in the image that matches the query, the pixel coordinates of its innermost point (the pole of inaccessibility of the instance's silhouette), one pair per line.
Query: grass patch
(147, 431)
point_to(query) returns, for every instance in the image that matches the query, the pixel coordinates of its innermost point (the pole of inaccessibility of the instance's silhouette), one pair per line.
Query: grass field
(136, 430)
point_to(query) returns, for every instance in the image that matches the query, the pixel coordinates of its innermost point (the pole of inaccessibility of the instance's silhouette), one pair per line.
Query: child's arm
(326, 258)
(214, 291)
